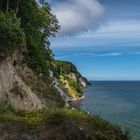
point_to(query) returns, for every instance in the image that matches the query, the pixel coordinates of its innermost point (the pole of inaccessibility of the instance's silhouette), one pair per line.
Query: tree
(38, 24)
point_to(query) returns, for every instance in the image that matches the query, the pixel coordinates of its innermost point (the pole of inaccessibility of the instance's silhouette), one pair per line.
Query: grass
(58, 124)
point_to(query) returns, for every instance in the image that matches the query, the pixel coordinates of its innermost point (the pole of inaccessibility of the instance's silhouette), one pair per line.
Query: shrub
(11, 34)
(38, 57)
(64, 67)
(73, 84)
(61, 124)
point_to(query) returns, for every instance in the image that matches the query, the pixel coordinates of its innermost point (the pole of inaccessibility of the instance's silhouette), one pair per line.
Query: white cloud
(125, 29)
(89, 54)
(76, 16)
(79, 55)
(111, 54)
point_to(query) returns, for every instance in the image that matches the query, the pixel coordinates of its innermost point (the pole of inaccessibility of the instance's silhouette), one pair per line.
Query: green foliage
(63, 67)
(73, 84)
(10, 30)
(11, 34)
(39, 24)
(38, 58)
(30, 22)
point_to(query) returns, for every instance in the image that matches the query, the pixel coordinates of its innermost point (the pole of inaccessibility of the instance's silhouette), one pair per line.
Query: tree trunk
(17, 8)
(7, 6)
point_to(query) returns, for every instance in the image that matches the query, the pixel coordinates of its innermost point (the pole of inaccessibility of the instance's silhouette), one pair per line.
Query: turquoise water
(118, 102)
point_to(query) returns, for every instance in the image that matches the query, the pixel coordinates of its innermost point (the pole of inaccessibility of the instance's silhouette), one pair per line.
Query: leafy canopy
(31, 23)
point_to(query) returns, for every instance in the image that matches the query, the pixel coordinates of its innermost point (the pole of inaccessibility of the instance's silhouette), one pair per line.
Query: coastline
(77, 99)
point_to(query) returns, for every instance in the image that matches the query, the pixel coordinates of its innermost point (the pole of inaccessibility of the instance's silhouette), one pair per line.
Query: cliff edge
(71, 81)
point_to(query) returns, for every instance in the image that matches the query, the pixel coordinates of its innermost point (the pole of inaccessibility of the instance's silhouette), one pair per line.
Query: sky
(101, 37)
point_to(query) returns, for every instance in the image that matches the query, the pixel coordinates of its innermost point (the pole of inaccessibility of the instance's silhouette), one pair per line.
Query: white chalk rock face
(82, 82)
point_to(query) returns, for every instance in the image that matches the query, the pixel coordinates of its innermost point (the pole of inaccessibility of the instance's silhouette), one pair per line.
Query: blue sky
(101, 37)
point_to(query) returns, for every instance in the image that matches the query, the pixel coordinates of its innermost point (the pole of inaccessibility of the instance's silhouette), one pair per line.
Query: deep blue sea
(118, 102)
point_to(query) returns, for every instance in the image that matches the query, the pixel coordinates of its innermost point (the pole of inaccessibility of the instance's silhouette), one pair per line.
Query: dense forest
(31, 107)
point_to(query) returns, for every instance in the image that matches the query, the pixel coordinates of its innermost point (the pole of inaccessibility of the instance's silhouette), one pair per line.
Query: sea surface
(118, 102)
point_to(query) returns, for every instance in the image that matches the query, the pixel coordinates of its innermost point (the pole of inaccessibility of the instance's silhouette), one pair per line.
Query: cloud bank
(77, 16)
(79, 55)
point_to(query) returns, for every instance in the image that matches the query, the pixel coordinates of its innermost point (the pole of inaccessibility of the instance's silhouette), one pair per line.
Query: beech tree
(36, 24)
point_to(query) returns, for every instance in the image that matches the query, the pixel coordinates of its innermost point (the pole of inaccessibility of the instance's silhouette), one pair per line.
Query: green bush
(61, 124)
(64, 67)
(73, 84)
(37, 57)
(11, 34)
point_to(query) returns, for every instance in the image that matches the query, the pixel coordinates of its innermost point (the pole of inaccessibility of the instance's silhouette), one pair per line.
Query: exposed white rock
(61, 92)
(73, 76)
(82, 82)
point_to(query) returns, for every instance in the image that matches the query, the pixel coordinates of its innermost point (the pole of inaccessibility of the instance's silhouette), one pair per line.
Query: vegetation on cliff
(62, 124)
(11, 34)
(71, 79)
(27, 22)
(64, 68)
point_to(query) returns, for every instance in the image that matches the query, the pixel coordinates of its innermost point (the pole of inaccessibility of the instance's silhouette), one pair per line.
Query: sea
(115, 101)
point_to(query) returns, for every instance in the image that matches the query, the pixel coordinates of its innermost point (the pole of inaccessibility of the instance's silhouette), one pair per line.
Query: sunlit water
(118, 102)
